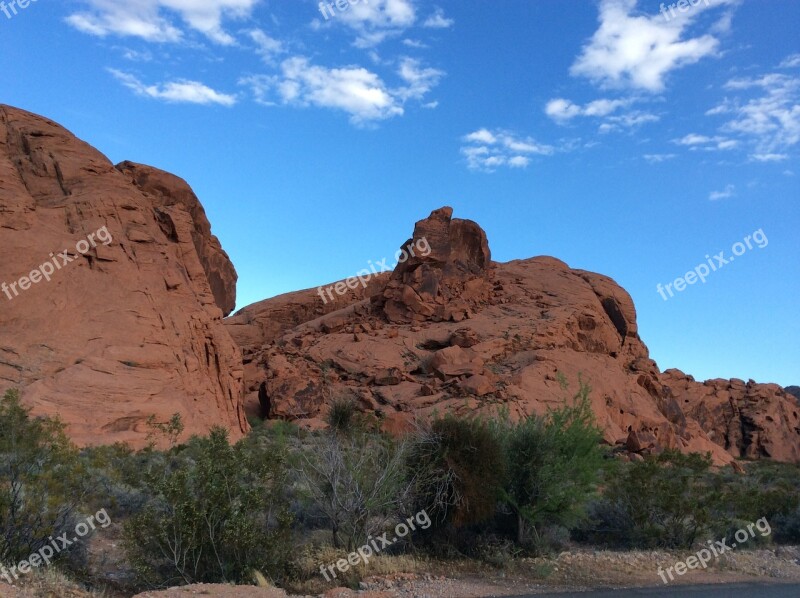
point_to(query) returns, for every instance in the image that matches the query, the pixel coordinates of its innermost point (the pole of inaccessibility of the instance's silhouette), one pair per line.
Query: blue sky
(617, 137)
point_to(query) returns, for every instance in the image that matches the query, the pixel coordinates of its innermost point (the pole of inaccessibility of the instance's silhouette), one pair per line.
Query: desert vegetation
(283, 501)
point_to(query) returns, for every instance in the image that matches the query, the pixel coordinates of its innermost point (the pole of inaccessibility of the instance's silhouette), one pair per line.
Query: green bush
(41, 482)
(664, 501)
(216, 513)
(553, 466)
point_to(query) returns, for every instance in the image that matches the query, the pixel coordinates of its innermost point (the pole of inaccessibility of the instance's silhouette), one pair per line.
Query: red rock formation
(453, 331)
(125, 330)
(750, 420)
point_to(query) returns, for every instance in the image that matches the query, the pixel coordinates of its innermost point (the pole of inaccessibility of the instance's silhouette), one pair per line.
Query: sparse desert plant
(342, 414)
(357, 481)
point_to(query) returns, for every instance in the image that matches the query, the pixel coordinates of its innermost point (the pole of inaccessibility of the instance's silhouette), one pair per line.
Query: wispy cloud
(438, 21)
(790, 62)
(376, 20)
(729, 191)
(267, 47)
(153, 20)
(352, 89)
(695, 142)
(564, 111)
(487, 150)
(638, 51)
(419, 80)
(180, 91)
(770, 121)
(658, 158)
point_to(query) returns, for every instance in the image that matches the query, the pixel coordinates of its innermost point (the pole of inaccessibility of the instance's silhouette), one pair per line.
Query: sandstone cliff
(122, 330)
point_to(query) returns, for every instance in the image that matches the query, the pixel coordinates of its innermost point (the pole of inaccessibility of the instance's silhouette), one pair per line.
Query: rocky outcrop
(749, 420)
(121, 330)
(264, 322)
(453, 331)
(442, 274)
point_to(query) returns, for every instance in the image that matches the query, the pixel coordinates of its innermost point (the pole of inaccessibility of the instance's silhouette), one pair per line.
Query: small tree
(554, 463)
(41, 482)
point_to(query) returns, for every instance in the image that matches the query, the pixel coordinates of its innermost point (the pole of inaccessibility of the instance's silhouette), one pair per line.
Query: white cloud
(136, 56)
(695, 141)
(770, 121)
(562, 111)
(790, 62)
(414, 43)
(181, 91)
(267, 47)
(638, 51)
(658, 158)
(353, 89)
(487, 150)
(150, 19)
(729, 191)
(630, 120)
(769, 157)
(420, 80)
(376, 20)
(438, 21)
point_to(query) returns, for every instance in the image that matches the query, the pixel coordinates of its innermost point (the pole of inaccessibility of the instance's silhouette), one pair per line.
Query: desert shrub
(459, 470)
(42, 483)
(553, 464)
(216, 513)
(786, 527)
(342, 414)
(663, 501)
(357, 483)
(766, 490)
(770, 490)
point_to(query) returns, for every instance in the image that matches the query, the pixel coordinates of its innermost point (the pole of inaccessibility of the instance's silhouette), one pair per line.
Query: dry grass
(48, 583)
(309, 580)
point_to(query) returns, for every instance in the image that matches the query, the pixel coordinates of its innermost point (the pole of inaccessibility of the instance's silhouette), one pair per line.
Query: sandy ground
(574, 570)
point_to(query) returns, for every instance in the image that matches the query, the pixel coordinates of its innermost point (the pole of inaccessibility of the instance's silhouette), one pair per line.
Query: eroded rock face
(750, 420)
(166, 190)
(124, 330)
(454, 332)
